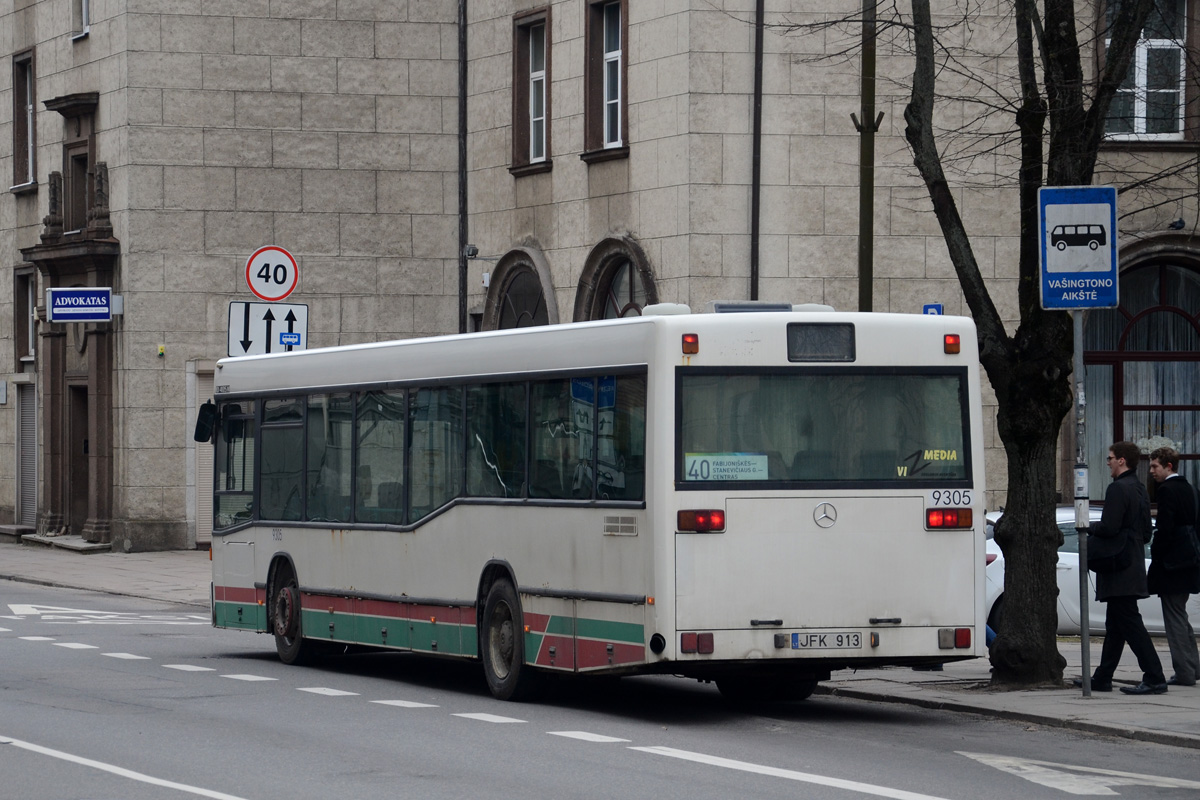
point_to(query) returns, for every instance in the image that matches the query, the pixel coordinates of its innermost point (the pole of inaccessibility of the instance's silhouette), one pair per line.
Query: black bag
(1185, 553)
(1110, 555)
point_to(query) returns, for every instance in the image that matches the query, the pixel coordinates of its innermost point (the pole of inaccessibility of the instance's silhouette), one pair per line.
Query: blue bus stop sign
(1077, 229)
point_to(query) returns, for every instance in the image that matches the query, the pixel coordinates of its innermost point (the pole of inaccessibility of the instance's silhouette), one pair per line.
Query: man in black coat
(1168, 579)
(1127, 515)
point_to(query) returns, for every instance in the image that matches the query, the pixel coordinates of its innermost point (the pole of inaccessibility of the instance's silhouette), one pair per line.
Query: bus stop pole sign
(1077, 226)
(1077, 230)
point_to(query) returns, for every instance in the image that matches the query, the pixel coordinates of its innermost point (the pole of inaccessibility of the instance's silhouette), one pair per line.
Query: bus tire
(503, 645)
(286, 620)
(757, 690)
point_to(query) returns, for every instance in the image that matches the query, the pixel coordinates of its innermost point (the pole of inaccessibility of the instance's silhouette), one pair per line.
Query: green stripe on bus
(252, 618)
(610, 631)
(560, 626)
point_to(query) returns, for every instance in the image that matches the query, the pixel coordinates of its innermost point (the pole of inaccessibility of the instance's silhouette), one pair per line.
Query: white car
(1067, 575)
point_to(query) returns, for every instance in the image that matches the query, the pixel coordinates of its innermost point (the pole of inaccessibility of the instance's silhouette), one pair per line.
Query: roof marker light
(952, 343)
(691, 344)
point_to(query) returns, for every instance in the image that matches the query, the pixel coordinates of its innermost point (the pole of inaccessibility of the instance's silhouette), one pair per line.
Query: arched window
(1142, 365)
(521, 294)
(616, 282)
(522, 303)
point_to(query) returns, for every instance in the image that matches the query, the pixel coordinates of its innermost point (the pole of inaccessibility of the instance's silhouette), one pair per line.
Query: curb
(941, 704)
(99, 590)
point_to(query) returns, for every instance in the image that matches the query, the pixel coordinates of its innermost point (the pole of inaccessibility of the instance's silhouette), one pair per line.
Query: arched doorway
(1142, 365)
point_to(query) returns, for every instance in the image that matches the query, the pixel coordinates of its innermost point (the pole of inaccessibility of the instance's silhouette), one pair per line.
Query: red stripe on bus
(592, 653)
(536, 622)
(382, 608)
(325, 602)
(564, 652)
(235, 594)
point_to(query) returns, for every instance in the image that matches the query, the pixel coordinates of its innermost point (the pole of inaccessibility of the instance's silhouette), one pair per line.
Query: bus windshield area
(746, 426)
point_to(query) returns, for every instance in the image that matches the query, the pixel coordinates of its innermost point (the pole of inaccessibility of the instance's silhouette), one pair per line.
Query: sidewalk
(1173, 718)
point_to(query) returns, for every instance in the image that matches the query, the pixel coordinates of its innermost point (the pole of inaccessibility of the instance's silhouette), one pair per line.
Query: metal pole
(1081, 505)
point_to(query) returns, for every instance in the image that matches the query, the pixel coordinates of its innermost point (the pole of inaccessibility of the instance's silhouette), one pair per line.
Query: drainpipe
(462, 166)
(756, 146)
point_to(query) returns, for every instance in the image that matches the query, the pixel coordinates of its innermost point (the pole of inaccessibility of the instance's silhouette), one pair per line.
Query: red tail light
(687, 642)
(962, 637)
(691, 344)
(948, 518)
(953, 343)
(705, 521)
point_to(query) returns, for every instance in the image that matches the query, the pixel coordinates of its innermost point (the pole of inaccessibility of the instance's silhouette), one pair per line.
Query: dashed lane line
(127, 656)
(404, 704)
(586, 737)
(326, 691)
(119, 771)
(76, 646)
(488, 718)
(249, 678)
(188, 668)
(37, 638)
(776, 772)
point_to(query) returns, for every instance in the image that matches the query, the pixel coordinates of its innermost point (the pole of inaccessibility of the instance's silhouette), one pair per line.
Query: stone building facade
(608, 157)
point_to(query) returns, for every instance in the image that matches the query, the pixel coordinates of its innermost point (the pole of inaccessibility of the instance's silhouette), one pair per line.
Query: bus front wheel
(503, 646)
(285, 620)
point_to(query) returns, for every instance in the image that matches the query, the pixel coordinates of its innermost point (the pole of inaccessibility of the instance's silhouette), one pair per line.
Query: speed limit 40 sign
(272, 273)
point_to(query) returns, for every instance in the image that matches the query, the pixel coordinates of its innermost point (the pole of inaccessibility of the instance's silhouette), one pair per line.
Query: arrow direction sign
(1076, 780)
(253, 330)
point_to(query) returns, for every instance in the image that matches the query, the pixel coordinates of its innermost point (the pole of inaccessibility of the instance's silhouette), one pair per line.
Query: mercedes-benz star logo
(825, 516)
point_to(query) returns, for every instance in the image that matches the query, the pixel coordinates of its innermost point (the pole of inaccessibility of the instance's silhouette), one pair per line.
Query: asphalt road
(110, 697)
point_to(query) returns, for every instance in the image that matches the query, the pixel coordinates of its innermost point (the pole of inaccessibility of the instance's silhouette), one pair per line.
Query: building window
(81, 18)
(1150, 102)
(617, 281)
(531, 93)
(25, 317)
(24, 130)
(605, 123)
(523, 303)
(1142, 369)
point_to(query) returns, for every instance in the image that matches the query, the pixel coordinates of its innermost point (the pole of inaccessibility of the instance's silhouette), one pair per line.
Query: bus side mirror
(206, 421)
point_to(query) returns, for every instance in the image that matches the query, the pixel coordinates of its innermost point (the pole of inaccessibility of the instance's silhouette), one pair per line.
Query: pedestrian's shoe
(1173, 681)
(1097, 686)
(1145, 688)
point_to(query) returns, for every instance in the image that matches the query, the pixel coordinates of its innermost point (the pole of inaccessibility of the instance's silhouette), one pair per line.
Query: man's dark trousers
(1123, 623)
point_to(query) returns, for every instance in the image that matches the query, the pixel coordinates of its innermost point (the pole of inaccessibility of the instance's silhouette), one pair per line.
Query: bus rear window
(822, 425)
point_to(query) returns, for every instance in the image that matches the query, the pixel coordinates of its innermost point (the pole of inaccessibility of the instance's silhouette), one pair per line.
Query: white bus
(751, 498)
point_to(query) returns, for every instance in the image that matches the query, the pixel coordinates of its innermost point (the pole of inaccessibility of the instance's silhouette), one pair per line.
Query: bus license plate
(839, 640)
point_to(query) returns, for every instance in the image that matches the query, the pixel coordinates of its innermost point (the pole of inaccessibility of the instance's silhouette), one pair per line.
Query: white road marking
(5, 630)
(775, 772)
(76, 646)
(403, 703)
(328, 692)
(129, 656)
(488, 718)
(88, 617)
(189, 668)
(1095, 782)
(249, 678)
(119, 771)
(38, 638)
(586, 737)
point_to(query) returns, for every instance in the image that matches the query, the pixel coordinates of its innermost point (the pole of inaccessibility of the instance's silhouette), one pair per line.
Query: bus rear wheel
(503, 645)
(286, 622)
(755, 690)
